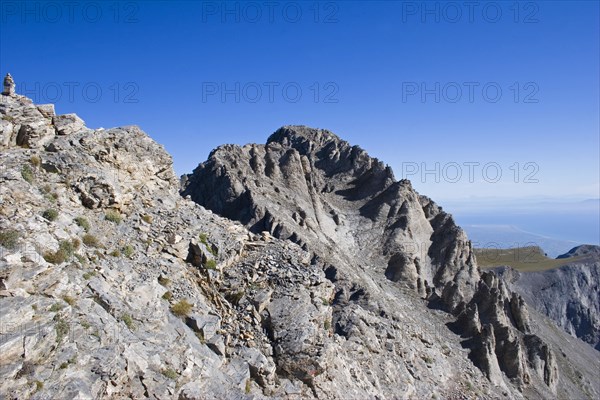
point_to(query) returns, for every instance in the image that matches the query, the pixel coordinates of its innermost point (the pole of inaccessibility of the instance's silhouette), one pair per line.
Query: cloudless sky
(392, 77)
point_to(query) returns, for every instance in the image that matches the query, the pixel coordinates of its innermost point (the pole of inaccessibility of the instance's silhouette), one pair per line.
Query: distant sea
(555, 227)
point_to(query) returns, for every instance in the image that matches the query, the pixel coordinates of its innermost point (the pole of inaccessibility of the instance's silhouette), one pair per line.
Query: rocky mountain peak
(372, 236)
(321, 277)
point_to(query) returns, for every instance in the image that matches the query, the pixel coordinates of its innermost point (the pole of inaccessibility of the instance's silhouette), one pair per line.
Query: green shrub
(182, 308)
(56, 307)
(327, 324)
(147, 218)
(90, 240)
(126, 318)
(170, 373)
(9, 238)
(167, 296)
(88, 275)
(83, 222)
(39, 385)
(128, 251)
(248, 386)
(62, 328)
(27, 173)
(50, 214)
(211, 264)
(52, 197)
(66, 249)
(113, 216)
(203, 238)
(81, 259)
(115, 253)
(55, 257)
(69, 246)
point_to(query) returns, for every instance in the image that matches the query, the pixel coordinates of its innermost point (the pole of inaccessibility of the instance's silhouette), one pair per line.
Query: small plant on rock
(126, 318)
(203, 237)
(83, 222)
(182, 308)
(113, 216)
(211, 264)
(115, 253)
(70, 300)
(89, 275)
(36, 161)
(90, 240)
(65, 251)
(9, 238)
(170, 373)
(50, 214)
(128, 251)
(27, 173)
(62, 328)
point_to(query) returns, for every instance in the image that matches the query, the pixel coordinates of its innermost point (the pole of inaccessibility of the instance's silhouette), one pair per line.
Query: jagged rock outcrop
(346, 208)
(569, 295)
(112, 285)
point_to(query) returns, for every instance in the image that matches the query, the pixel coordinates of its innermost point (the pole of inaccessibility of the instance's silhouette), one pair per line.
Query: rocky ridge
(569, 295)
(308, 186)
(114, 286)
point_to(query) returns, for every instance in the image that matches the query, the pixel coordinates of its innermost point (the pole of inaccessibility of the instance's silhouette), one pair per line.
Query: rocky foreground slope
(112, 285)
(569, 295)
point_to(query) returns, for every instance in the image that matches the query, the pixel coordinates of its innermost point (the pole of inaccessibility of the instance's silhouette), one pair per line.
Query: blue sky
(392, 77)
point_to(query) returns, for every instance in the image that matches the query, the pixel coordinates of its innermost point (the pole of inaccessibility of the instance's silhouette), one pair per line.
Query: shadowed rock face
(568, 295)
(309, 186)
(362, 226)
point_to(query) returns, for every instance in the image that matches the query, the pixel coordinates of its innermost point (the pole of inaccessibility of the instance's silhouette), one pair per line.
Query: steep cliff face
(364, 228)
(569, 295)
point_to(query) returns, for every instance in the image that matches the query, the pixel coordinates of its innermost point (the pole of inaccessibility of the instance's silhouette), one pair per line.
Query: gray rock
(568, 295)
(47, 110)
(207, 325)
(217, 345)
(68, 124)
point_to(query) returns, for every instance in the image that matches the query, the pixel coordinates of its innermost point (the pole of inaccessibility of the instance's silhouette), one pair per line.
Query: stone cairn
(9, 85)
